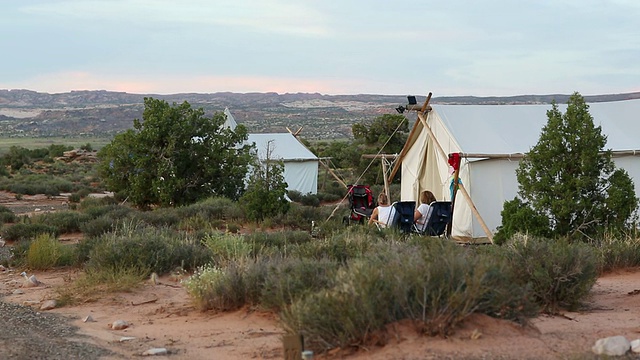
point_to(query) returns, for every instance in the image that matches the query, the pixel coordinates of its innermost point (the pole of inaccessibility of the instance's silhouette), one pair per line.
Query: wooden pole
(333, 174)
(476, 212)
(426, 103)
(433, 137)
(405, 148)
(386, 180)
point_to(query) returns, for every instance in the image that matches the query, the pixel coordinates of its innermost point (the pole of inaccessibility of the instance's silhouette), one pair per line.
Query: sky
(390, 47)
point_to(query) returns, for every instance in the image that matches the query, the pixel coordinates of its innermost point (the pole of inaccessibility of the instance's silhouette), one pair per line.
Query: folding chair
(404, 215)
(438, 220)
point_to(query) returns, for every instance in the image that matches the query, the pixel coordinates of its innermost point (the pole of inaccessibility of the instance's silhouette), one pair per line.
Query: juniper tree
(570, 179)
(266, 189)
(176, 156)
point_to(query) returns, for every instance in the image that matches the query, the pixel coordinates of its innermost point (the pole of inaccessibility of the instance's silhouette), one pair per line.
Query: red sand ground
(161, 315)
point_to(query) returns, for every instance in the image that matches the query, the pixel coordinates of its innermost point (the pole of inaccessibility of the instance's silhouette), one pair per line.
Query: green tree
(266, 190)
(17, 157)
(569, 178)
(388, 130)
(175, 156)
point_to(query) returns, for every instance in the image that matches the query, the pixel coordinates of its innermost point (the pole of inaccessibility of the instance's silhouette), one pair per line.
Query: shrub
(7, 216)
(294, 195)
(437, 285)
(214, 208)
(98, 226)
(518, 217)
(310, 200)
(18, 254)
(193, 223)
(233, 228)
(227, 248)
(215, 289)
(266, 190)
(279, 239)
(136, 246)
(83, 192)
(163, 217)
(300, 216)
(44, 252)
(112, 210)
(31, 184)
(26, 231)
(329, 197)
(351, 243)
(62, 221)
(288, 279)
(358, 305)
(75, 198)
(618, 253)
(560, 274)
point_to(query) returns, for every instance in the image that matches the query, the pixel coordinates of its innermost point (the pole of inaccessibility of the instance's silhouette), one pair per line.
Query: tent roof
(285, 146)
(508, 129)
(230, 122)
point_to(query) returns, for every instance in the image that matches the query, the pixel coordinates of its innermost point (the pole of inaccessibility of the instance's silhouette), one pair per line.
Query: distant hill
(105, 113)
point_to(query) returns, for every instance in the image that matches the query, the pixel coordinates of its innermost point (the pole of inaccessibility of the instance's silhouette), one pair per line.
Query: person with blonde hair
(384, 213)
(423, 212)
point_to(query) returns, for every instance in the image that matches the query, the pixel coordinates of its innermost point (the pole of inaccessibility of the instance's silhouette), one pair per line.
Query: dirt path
(161, 315)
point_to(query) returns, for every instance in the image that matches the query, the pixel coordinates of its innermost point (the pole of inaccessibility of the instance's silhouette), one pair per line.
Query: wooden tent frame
(422, 118)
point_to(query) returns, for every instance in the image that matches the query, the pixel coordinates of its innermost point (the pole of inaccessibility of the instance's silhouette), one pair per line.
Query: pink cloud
(169, 84)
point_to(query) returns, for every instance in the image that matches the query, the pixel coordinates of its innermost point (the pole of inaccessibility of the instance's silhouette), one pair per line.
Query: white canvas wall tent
(300, 164)
(492, 140)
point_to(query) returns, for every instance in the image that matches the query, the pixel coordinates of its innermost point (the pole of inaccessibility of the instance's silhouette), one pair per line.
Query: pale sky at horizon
(399, 47)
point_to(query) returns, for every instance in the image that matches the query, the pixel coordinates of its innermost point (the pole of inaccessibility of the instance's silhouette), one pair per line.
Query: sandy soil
(161, 315)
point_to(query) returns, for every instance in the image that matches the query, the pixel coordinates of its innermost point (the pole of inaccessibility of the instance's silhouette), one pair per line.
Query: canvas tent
(492, 139)
(300, 164)
(230, 121)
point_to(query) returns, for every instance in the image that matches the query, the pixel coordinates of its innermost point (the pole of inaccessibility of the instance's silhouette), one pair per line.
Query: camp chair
(404, 215)
(361, 203)
(391, 221)
(438, 220)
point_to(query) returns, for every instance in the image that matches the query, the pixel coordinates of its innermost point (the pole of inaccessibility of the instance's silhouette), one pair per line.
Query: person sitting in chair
(383, 213)
(422, 213)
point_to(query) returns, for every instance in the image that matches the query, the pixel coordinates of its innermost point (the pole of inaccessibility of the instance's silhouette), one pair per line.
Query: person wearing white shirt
(423, 212)
(383, 213)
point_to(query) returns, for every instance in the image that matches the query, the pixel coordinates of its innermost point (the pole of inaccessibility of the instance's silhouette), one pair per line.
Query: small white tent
(492, 139)
(300, 164)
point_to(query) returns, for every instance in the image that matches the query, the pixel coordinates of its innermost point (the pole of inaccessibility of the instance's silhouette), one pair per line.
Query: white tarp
(300, 164)
(499, 129)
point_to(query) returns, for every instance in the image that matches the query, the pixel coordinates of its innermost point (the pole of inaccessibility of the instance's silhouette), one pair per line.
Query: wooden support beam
(384, 176)
(405, 148)
(423, 119)
(335, 176)
(380, 156)
(426, 103)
